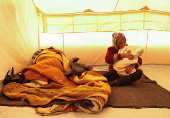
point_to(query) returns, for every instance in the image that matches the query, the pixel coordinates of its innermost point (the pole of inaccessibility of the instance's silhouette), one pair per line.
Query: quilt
(88, 92)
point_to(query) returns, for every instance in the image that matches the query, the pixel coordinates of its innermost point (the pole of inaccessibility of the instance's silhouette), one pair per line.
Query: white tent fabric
(108, 21)
(18, 34)
(91, 47)
(26, 26)
(72, 6)
(89, 33)
(106, 15)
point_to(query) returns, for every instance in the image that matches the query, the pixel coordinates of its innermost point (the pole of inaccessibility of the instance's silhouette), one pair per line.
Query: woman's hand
(127, 55)
(130, 57)
(129, 69)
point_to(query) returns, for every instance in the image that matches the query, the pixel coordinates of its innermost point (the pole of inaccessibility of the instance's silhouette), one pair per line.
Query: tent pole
(146, 45)
(38, 32)
(116, 5)
(63, 41)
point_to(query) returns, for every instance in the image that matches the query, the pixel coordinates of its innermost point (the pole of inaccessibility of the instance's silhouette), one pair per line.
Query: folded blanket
(88, 76)
(121, 65)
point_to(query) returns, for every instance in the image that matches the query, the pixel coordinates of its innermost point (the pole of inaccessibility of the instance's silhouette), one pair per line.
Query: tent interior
(83, 29)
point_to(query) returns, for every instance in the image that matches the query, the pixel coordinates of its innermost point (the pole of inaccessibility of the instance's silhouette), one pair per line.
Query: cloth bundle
(121, 65)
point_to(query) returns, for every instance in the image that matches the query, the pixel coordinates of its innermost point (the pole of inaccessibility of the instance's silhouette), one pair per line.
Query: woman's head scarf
(116, 37)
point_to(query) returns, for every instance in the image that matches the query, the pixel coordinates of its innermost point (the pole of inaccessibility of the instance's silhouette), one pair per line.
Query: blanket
(120, 65)
(49, 65)
(87, 93)
(143, 93)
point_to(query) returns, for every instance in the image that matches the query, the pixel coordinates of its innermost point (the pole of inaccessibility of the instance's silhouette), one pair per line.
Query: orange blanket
(49, 65)
(91, 88)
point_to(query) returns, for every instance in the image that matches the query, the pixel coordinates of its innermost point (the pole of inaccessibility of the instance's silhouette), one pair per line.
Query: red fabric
(110, 54)
(111, 51)
(139, 62)
(122, 35)
(51, 47)
(119, 57)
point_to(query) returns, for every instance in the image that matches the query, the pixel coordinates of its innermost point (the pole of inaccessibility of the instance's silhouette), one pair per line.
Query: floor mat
(143, 93)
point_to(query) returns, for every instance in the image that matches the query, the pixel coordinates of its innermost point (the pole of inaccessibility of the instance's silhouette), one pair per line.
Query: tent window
(106, 22)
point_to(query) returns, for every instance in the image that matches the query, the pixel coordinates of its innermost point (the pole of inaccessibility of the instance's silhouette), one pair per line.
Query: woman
(112, 55)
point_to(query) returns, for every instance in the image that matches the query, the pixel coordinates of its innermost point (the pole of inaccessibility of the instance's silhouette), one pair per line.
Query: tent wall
(87, 35)
(108, 21)
(18, 34)
(72, 6)
(91, 47)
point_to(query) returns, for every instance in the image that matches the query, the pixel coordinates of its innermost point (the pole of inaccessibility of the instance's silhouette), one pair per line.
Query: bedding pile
(87, 92)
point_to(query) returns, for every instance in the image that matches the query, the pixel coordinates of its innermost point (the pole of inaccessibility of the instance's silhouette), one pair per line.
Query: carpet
(143, 93)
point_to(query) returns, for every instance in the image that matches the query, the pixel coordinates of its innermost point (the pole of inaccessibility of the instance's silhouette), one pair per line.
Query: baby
(120, 66)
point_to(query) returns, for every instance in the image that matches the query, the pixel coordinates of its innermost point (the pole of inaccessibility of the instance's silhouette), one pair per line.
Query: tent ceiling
(73, 6)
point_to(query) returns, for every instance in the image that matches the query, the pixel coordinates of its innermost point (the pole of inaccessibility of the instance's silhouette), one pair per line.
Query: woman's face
(122, 43)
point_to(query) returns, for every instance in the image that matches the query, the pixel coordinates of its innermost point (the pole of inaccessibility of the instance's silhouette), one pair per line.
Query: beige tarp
(18, 34)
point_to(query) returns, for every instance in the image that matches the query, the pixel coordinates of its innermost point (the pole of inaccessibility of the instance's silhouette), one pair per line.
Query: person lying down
(52, 92)
(120, 65)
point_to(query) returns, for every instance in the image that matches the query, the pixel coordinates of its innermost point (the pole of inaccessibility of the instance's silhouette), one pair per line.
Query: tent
(81, 28)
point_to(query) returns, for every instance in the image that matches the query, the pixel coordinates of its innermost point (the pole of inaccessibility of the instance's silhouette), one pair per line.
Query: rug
(143, 93)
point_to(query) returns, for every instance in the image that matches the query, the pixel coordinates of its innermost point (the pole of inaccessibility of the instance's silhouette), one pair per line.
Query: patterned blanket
(90, 89)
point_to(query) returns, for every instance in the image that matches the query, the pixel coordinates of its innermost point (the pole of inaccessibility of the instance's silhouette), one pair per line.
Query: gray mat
(143, 93)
